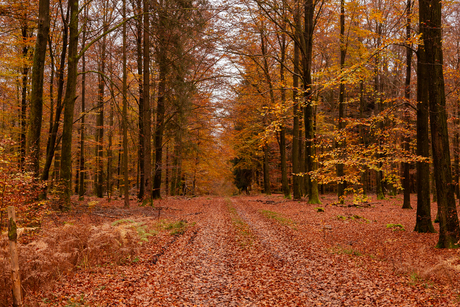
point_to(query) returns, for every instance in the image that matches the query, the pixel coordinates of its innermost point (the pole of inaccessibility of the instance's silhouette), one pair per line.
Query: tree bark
(423, 218)
(99, 180)
(295, 157)
(69, 104)
(309, 114)
(407, 95)
(341, 124)
(52, 137)
(36, 101)
(15, 273)
(124, 120)
(160, 112)
(430, 24)
(146, 115)
(24, 73)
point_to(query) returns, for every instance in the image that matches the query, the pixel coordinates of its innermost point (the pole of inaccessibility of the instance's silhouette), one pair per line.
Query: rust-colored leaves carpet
(266, 251)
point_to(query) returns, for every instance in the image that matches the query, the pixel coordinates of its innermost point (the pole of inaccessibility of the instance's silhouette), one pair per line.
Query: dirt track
(236, 254)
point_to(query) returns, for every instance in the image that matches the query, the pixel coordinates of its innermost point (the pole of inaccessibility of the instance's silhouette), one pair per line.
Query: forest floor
(255, 251)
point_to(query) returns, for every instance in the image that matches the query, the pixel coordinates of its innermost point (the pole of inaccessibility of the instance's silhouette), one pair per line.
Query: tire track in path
(325, 279)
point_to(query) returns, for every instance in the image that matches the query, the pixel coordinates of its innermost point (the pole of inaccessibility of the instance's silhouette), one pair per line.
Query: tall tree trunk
(24, 73)
(160, 112)
(36, 101)
(407, 95)
(362, 105)
(430, 25)
(341, 124)
(51, 145)
(110, 149)
(309, 113)
(423, 218)
(69, 103)
(124, 120)
(146, 115)
(295, 157)
(99, 182)
(82, 171)
(140, 73)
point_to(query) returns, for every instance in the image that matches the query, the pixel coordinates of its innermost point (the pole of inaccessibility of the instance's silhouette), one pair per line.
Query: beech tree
(430, 25)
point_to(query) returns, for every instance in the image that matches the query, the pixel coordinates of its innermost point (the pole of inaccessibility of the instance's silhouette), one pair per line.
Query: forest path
(247, 251)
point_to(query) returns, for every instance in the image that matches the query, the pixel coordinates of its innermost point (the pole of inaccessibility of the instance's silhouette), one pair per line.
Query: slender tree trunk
(167, 171)
(309, 113)
(423, 218)
(110, 151)
(160, 114)
(24, 73)
(140, 72)
(51, 145)
(295, 157)
(341, 124)
(125, 115)
(430, 25)
(365, 171)
(69, 103)
(407, 95)
(146, 115)
(100, 121)
(82, 171)
(36, 102)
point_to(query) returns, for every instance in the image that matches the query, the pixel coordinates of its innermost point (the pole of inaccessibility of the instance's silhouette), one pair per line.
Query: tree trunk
(295, 157)
(69, 104)
(140, 72)
(146, 115)
(36, 102)
(99, 181)
(160, 118)
(282, 134)
(309, 113)
(124, 120)
(430, 25)
(407, 95)
(341, 124)
(82, 171)
(51, 145)
(423, 218)
(24, 73)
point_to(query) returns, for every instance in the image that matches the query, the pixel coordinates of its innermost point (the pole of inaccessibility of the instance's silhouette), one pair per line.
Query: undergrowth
(62, 250)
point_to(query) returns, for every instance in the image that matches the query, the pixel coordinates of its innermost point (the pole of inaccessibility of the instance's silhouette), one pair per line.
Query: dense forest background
(157, 98)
